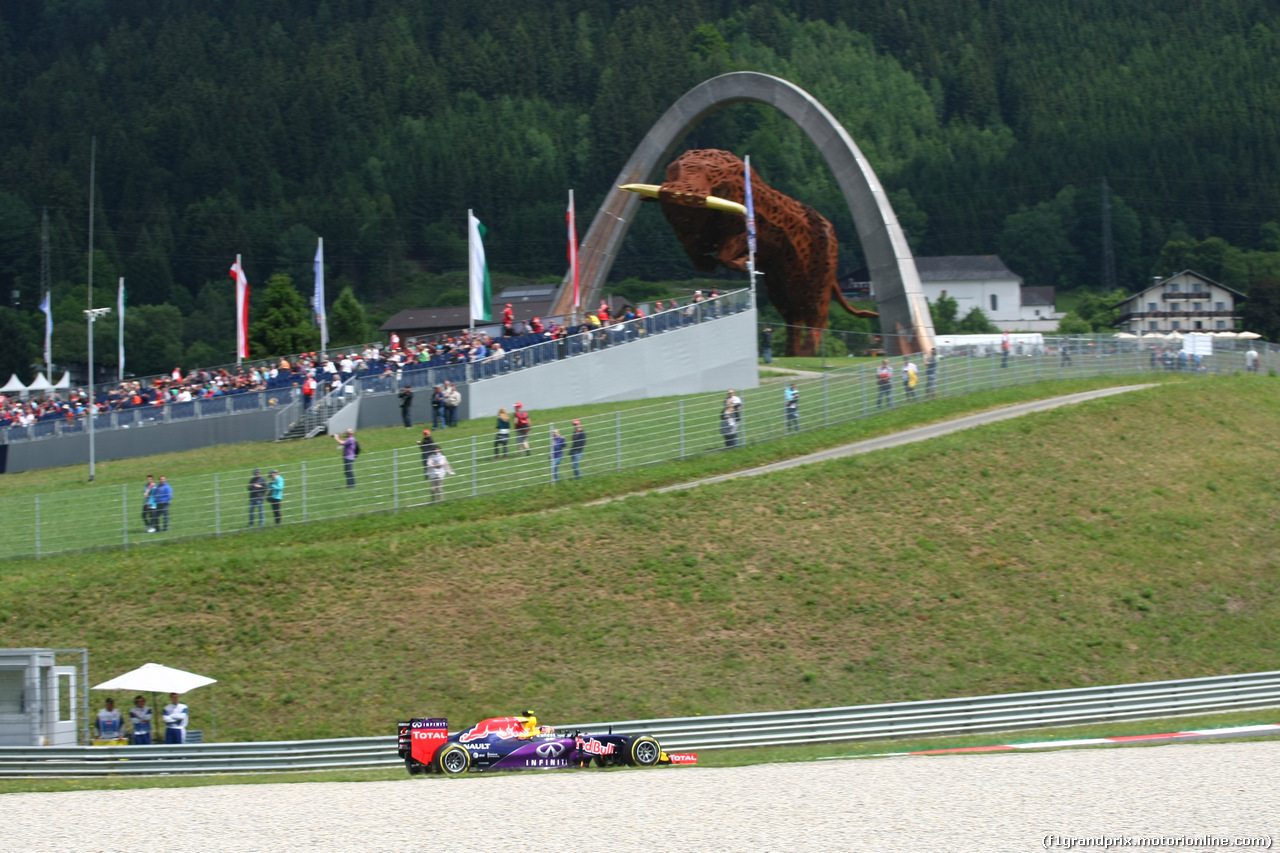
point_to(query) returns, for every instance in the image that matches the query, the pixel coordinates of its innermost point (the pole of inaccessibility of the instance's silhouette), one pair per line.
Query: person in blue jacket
(163, 496)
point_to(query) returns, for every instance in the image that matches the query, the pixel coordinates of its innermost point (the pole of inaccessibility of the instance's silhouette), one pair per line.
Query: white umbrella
(1125, 336)
(156, 678)
(1174, 336)
(1249, 335)
(1225, 335)
(1153, 336)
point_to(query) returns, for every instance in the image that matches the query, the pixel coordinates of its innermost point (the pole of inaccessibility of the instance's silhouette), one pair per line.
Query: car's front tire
(453, 760)
(643, 752)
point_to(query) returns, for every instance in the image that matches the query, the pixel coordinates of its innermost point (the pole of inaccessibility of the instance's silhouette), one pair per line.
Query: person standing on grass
(1004, 350)
(577, 448)
(931, 374)
(164, 497)
(149, 504)
(909, 378)
(350, 450)
(452, 399)
(884, 382)
(437, 407)
(557, 453)
(523, 428)
(140, 718)
(729, 426)
(766, 344)
(257, 494)
(502, 434)
(275, 494)
(437, 468)
(791, 408)
(109, 724)
(176, 717)
(425, 446)
(406, 405)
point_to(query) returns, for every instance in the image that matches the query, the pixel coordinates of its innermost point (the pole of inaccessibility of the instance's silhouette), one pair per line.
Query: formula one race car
(519, 743)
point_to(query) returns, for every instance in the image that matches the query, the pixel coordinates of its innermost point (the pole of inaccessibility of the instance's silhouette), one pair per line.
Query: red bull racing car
(519, 743)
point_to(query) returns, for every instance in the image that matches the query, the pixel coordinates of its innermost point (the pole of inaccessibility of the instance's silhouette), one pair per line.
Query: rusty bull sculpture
(703, 198)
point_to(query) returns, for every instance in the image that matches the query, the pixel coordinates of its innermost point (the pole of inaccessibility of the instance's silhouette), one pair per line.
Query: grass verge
(1126, 540)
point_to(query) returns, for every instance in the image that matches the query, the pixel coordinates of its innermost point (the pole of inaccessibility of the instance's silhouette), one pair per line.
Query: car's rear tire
(453, 760)
(643, 752)
(414, 767)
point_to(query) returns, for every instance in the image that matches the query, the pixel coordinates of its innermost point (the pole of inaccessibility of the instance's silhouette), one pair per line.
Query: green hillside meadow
(1123, 540)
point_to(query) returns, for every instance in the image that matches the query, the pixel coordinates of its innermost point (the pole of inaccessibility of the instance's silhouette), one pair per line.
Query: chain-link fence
(397, 479)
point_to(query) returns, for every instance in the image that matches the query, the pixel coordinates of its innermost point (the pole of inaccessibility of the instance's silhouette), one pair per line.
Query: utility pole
(91, 413)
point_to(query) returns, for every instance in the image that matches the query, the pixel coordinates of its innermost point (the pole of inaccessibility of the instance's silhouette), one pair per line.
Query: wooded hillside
(231, 127)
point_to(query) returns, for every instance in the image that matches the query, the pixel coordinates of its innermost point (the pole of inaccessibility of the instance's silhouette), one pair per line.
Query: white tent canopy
(14, 384)
(1249, 336)
(40, 383)
(65, 382)
(156, 678)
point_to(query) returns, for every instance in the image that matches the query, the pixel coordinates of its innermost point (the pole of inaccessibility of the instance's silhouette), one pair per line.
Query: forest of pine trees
(229, 128)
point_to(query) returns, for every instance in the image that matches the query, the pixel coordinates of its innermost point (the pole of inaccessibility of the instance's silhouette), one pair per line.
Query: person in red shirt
(523, 427)
(508, 321)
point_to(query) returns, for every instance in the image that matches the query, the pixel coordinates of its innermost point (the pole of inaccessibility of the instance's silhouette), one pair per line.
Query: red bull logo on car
(502, 727)
(595, 747)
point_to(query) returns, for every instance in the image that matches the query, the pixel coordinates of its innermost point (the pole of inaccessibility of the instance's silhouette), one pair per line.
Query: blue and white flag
(318, 300)
(751, 214)
(48, 333)
(479, 271)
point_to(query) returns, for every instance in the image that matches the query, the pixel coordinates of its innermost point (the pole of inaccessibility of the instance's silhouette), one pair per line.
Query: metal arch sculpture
(899, 296)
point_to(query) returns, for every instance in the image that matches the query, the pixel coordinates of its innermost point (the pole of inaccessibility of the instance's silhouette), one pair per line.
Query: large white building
(1186, 302)
(983, 281)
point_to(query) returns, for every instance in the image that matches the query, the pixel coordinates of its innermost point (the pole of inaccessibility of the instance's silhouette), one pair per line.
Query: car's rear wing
(420, 737)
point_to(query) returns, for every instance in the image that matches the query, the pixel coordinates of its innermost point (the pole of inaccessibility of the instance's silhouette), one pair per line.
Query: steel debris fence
(396, 480)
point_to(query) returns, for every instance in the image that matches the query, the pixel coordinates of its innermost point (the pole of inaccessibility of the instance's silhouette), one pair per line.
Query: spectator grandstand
(461, 357)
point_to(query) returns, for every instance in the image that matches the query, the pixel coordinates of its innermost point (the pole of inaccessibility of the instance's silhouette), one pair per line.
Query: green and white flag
(481, 297)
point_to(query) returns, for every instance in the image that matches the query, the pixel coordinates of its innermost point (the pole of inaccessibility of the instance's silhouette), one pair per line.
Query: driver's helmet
(546, 730)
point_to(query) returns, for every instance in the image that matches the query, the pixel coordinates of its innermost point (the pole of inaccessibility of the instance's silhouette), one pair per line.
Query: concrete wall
(141, 441)
(709, 357)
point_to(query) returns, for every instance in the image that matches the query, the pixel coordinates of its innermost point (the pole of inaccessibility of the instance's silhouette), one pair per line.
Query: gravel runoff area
(989, 802)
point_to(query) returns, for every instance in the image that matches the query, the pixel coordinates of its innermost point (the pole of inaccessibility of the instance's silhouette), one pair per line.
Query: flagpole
(471, 276)
(120, 310)
(751, 231)
(93, 168)
(573, 257)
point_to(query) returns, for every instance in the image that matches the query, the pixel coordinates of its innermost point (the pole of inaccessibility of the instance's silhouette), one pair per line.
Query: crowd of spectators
(315, 373)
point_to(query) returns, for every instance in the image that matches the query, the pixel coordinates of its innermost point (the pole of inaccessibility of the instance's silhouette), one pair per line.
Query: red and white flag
(242, 310)
(573, 249)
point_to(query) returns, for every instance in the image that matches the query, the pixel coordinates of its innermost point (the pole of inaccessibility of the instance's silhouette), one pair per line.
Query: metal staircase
(313, 420)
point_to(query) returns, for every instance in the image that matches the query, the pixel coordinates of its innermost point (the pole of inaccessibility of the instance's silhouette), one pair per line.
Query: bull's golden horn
(712, 202)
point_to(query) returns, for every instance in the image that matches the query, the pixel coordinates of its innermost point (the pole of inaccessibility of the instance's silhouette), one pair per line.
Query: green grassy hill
(1127, 539)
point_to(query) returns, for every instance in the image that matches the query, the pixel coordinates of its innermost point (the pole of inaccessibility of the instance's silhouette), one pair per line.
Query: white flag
(318, 300)
(480, 288)
(120, 310)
